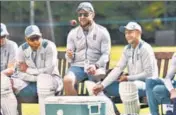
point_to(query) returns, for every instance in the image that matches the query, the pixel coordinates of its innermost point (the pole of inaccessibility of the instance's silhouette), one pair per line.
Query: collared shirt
(171, 74)
(8, 54)
(140, 62)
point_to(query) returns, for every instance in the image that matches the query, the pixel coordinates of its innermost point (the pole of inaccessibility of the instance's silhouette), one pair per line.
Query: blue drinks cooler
(75, 105)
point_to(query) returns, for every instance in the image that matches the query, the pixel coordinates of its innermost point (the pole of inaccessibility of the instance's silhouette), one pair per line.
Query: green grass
(33, 109)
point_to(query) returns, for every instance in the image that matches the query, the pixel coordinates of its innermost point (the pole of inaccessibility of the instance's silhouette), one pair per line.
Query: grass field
(33, 109)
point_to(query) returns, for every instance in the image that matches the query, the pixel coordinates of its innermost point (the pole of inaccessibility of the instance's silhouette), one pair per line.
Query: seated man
(8, 53)
(88, 49)
(37, 67)
(138, 57)
(161, 91)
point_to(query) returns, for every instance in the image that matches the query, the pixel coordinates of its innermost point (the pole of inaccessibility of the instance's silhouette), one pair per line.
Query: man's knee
(68, 81)
(160, 92)
(112, 89)
(159, 89)
(28, 91)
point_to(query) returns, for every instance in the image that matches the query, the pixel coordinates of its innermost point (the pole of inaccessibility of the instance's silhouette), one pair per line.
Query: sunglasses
(1, 37)
(83, 14)
(34, 38)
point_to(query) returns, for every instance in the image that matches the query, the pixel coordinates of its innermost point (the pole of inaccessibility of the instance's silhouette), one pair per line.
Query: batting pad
(5, 84)
(129, 96)
(45, 88)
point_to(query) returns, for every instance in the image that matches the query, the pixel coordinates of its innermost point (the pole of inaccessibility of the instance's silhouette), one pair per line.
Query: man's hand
(8, 71)
(70, 53)
(97, 88)
(173, 94)
(23, 66)
(122, 78)
(91, 69)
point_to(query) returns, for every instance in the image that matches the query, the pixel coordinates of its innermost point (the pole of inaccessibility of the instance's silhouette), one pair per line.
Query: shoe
(169, 113)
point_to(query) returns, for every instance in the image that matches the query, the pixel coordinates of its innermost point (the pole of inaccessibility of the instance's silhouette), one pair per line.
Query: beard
(130, 41)
(2, 42)
(85, 25)
(34, 47)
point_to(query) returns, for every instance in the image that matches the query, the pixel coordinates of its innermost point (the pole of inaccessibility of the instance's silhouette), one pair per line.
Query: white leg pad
(129, 96)
(9, 104)
(46, 87)
(6, 86)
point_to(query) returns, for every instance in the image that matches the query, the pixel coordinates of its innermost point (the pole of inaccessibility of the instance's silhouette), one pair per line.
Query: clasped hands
(22, 66)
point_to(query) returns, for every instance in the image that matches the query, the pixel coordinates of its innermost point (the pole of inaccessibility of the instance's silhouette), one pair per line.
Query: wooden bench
(163, 59)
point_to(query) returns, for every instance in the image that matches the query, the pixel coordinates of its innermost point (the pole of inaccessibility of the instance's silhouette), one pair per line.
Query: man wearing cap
(37, 65)
(8, 53)
(88, 49)
(161, 91)
(138, 57)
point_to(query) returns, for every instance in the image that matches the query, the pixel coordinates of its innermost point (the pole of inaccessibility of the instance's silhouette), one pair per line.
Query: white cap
(32, 30)
(87, 6)
(130, 26)
(4, 30)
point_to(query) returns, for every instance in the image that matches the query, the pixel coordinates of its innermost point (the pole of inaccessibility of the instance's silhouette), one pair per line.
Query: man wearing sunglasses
(37, 67)
(88, 49)
(88, 42)
(8, 53)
